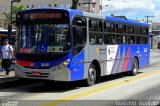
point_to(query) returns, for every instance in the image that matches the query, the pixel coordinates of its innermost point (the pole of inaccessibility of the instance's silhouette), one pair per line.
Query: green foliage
(112, 15)
(16, 8)
(74, 4)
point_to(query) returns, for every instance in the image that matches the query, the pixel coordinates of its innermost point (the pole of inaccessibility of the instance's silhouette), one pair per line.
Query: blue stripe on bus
(136, 50)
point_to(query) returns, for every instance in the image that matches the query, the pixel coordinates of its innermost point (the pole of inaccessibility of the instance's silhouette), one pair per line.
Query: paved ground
(2, 74)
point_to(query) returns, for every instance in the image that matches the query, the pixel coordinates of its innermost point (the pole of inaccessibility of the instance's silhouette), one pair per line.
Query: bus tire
(134, 67)
(92, 74)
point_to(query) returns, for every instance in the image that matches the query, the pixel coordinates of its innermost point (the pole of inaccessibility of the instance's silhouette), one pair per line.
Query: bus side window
(138, 39)
(131, 39)
(121, 39)
(79, 34)
(79, 39)
(109, 39)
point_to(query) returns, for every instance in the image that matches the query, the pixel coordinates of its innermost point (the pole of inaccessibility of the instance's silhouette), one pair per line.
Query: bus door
(79, 40)
(78, 54)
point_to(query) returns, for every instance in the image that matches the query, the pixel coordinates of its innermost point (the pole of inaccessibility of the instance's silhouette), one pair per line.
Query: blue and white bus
(71, 45)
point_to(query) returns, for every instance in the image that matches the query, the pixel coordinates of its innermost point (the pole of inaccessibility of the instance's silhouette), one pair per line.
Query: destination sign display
(43, 17)
(54, 15)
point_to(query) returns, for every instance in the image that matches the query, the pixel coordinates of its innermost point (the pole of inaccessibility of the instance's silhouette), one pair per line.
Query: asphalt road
(116, 90)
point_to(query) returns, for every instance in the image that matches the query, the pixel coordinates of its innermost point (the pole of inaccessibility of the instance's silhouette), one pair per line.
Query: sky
(133, 9)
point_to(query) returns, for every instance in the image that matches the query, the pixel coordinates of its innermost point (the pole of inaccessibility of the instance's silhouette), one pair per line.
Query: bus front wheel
(91, 79)
(134, 70)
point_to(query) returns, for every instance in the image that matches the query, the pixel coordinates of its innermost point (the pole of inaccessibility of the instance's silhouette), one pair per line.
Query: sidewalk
(4, 78)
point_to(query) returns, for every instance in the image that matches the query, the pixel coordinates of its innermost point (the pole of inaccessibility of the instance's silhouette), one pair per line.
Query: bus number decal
(45, 64)
(55, 49)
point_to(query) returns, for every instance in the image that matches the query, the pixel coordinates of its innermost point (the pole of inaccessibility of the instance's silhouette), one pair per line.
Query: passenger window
(131, 40)
(130, 29)
(109, 38)
(145, 39)
(96, 38)
(144, 31)
(137, 30)
(119, 28)
(138, 39)
(92, 25)
(95, 25)
(121, 39)
(109, 27)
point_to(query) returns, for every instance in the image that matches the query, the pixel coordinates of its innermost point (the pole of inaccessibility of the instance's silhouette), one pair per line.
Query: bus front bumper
(62, 74)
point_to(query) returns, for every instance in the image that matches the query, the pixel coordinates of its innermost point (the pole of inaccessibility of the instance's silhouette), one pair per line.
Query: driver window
(79, 34)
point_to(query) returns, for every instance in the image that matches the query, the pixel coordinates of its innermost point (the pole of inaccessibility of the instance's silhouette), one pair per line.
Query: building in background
(93, 6)
(155, 35)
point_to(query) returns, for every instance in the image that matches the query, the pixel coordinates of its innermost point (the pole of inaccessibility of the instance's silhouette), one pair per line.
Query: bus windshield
(43, 38)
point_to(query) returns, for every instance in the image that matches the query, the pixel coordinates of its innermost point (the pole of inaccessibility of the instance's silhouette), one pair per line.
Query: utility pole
(148, 16)
(101, 9)
(10, 25)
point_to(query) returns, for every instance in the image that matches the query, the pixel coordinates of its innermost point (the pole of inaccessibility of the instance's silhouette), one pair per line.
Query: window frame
(99, 31)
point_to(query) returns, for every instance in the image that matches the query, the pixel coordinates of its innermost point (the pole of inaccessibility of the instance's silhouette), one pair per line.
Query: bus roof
(87, 14)
(126, 21)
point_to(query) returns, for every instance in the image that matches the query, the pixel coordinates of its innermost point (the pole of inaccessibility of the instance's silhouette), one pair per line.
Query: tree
(112, 15)
(16, 9)
(74, 4)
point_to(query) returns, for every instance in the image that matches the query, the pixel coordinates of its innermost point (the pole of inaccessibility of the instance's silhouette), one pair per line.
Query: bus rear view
(43, 44)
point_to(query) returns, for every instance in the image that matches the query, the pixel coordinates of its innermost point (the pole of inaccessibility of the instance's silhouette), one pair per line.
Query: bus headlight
(62, 65)
(66, 62)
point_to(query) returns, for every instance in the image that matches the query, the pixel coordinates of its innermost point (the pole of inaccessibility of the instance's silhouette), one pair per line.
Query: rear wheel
(134, 70)
(91, 79)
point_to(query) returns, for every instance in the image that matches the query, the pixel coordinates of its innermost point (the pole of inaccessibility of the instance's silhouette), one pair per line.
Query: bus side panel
(144, 56)
(77, 69)
(146, 51)
(125, 56)
(112, 62)
(142, 53)
(122, 59)
(98, 53)
(133, 53)
(87, 63)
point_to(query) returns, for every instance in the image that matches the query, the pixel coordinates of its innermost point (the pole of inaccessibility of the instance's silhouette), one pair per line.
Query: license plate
(36, 73)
